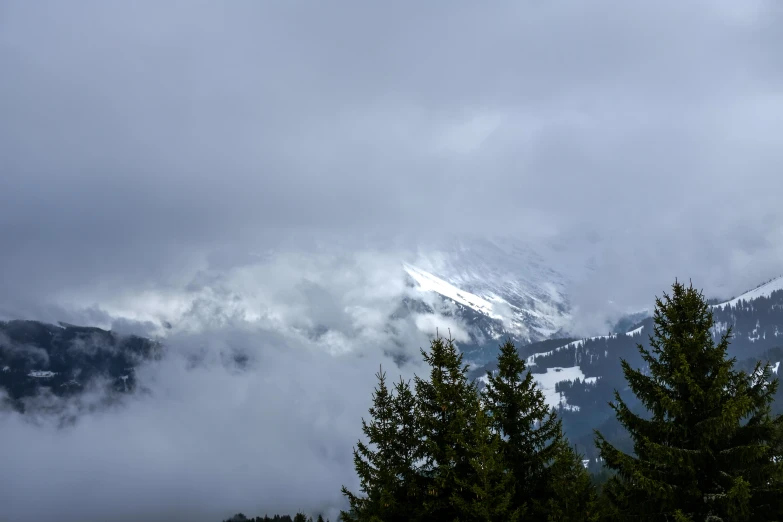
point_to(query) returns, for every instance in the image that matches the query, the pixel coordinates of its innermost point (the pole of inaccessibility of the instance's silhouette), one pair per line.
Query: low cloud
(205, 442)
(252, 408)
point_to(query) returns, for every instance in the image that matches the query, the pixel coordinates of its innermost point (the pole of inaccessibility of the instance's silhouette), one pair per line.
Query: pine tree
(490, 483)
(532, 435)
(375, 467)
(707, 448)
(442, 404)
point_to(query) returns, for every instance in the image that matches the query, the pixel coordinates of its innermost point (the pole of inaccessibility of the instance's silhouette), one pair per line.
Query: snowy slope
(501, 278)
(429, 283)
(547, 382)
(764, 290)
(531, 360)
(527, 325)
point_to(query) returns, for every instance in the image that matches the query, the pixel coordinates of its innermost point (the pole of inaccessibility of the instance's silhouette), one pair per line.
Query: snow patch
(776, 367)
(40, 374)
(764, 290)
(6, 368)
(547, 381)
(635, 331)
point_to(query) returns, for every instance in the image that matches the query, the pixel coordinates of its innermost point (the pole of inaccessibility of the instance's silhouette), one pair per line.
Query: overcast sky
(159, 156)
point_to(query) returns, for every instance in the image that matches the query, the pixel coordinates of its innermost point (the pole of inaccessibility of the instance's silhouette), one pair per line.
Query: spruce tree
(709, 448)
(491, 482)
(405, 448)
(572, 496)
(374, 464)
(532, 435)
(443, 404)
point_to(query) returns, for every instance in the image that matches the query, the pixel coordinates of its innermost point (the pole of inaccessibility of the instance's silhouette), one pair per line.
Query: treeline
(705, 448)
(299, 517)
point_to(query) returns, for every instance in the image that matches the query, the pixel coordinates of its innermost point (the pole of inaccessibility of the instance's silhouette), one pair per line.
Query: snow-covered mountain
(501, 288)
(489, 317)
(532, 281)
(528, 320)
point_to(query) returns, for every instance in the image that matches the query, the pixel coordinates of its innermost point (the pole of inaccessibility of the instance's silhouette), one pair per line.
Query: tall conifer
(443, 404)
(374, 463)
(532, 435)
(709, 448)
(405, 448)
(490, 484)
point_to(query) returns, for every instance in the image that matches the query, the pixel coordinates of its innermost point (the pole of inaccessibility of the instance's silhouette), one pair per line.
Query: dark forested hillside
(757, 334)
(64, 359)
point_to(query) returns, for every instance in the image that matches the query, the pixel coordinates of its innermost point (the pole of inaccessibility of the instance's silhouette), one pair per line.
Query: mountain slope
(763, 290)
(526, 286)
(65, 359)
(490, 317)
(590, 371)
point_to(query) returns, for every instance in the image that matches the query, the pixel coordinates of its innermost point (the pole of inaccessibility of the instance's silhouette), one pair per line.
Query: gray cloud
(168, 161)
(209, 436)
(135, 136)
(205, 442)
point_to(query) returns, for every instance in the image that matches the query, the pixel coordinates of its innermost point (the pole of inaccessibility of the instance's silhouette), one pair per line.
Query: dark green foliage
(405, 448)
(572, 496)
(450, 453)
(490, 483)
(706, 449)
(443, 416)
(377, 464)
(533, 444)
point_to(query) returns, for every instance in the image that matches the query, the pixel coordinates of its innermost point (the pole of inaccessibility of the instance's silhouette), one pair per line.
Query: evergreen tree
(375, 467)
(442, 413)
(572, 492)
(709, 448)
(490, 483)
(405, 448)
(532, 439)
